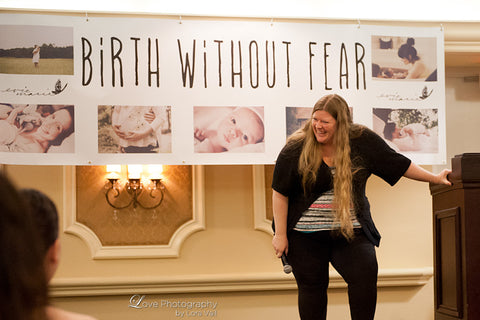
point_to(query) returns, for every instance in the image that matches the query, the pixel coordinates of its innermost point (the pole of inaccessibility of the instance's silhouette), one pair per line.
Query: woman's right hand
(280, 245)
(149, 116)
(280, 212)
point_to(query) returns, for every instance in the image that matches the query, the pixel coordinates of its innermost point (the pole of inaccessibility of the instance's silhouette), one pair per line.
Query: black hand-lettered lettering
(219, 42)
(185, 68)
(135, 40)
(253, 45)
(325, 56)
(287, 55)
(101, 61)
(86, 45)
(266, 65)
(115, 55)
(157, 63)
(311, 55)
(343, 74)
(359, 62)
(238, 73)
(204, 63)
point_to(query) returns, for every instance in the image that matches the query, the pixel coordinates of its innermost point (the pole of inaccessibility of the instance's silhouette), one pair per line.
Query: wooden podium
(456, 230)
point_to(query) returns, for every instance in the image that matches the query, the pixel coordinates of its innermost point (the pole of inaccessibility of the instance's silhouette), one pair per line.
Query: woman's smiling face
(54, 124)
(324, 127)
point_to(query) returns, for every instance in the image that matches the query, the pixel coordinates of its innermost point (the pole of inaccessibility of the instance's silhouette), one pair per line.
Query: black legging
(309, 255)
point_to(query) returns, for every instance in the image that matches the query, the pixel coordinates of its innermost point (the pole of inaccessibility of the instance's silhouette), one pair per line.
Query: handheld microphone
(287, 268)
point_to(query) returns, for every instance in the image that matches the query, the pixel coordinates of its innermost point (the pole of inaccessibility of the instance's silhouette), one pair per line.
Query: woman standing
(321, 214)
(36, 56)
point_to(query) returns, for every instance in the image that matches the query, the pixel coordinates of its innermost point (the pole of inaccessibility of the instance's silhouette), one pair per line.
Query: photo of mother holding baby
(37, 128)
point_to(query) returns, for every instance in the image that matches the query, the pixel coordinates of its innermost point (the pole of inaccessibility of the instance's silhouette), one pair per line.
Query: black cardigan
(369, 152)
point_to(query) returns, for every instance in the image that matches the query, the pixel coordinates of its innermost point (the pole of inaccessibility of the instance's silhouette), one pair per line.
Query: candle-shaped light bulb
(155, 171)
(113, 171)
(134, 171)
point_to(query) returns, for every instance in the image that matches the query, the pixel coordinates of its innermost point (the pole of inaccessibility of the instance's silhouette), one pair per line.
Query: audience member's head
(45, 217)
(23, 284)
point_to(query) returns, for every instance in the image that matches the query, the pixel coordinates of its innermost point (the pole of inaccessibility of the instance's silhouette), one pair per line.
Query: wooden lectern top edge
(465, 170)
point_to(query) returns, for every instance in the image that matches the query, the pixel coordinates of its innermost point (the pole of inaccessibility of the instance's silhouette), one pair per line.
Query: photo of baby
(228, 129)
(408, 130)
(37, 128)
(405, 58)
(134, 129)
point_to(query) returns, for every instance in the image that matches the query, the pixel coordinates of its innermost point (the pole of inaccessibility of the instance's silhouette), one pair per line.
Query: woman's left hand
(442, 177)
(416, 172)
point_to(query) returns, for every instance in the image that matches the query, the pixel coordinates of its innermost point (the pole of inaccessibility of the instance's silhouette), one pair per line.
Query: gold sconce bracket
(134, 188)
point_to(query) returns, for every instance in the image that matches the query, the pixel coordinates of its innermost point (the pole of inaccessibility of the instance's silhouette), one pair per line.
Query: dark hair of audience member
(23, 284)
(45, 216)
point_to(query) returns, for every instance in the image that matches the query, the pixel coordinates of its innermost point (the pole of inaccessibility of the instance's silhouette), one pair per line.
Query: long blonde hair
(311, 157)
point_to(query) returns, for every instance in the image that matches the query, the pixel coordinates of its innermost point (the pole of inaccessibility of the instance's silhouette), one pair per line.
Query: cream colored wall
(231, 248)
(463, 114)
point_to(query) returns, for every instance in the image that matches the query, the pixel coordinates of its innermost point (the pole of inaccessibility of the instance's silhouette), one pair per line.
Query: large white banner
(78, 91)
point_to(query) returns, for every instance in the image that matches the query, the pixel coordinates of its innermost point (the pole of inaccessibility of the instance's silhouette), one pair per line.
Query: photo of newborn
(228, 129)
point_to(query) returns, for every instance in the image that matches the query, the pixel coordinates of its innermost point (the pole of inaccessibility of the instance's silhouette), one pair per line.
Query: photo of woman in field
(20, 47)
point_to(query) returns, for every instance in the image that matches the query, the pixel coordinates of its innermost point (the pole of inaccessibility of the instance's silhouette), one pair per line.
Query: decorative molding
(76, 287)
(261, 222)
(453, 46)
(462, 37)
(100, 251)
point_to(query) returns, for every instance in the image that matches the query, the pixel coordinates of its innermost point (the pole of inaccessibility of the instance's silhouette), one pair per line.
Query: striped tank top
(320, 215)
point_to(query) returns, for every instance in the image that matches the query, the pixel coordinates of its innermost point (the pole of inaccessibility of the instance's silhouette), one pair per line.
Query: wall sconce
(135, 185)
